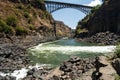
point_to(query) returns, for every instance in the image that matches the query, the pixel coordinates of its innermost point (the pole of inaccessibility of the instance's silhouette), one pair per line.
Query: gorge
(34, 46)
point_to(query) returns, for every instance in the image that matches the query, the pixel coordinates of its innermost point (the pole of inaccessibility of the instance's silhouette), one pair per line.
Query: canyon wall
(102, 18)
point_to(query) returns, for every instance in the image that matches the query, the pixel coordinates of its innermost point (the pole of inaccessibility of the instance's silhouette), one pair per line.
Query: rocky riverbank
(102, 38)
(76, 69)
(13, 55)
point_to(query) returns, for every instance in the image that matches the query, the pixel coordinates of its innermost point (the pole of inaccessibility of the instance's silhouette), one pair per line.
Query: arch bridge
(53, 6)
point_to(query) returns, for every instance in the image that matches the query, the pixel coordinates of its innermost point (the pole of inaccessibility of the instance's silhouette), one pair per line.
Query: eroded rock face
(106, 18)
(62, 30)
(116, 65)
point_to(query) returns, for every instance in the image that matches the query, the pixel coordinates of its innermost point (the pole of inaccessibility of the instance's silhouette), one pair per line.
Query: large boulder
(116, 65)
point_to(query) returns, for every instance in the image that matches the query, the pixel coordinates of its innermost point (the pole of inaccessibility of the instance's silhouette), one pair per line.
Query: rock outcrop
(116, 65)
(103, 38)
(62, 29)
(105, 18)
(102, 25)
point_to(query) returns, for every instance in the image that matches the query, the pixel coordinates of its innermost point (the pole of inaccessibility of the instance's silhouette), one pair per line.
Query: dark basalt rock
(7, 78)
(116, 65)
(36, 74)
(75, 67)
(104, 38)
(12, 58)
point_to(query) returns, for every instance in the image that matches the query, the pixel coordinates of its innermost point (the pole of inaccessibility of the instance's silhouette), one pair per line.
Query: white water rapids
(20, 74)
(67, 49)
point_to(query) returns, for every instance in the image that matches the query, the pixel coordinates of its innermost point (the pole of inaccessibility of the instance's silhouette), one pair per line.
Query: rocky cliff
(62, 29)
(103, 18)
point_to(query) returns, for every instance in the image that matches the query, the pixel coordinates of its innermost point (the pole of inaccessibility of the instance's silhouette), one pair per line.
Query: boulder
(116, 65)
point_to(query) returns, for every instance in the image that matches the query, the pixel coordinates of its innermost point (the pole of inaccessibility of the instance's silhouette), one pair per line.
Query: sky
(71, 16)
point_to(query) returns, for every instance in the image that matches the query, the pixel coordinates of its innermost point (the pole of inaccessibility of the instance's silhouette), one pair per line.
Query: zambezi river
(54, 53)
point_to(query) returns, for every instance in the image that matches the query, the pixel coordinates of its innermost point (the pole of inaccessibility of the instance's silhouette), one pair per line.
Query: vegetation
(5, 28)
(12, 21)
(38, 4)
(21, 30)
(29, 20)
(20, 7)
(31, 27)
(78, 30)
(117, 77)
(26, 15)
(95, 8)
(29, 6)
(45, 15)
(23, 17)
(117, 52)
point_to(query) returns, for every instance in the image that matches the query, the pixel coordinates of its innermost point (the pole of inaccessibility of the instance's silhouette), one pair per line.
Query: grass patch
(29, 20)
(29, 6)
(20, 7)
(117, 52)
(117, 77)
(26, 15)
(12, 21)
(21, 30)
(31, 27)
(5, 28)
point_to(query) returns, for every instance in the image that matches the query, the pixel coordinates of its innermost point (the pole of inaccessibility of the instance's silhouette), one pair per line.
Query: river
(54, 53)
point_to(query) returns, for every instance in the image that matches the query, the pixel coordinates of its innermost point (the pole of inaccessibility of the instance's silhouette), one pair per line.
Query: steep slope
(102, 25)
(104, 18)
(62, 29)
(21, 17)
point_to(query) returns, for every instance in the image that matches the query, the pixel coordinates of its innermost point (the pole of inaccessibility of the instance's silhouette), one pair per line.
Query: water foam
(97, 49)
(20, 74)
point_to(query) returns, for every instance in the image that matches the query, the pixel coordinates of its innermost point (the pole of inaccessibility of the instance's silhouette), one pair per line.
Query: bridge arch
(52, 6)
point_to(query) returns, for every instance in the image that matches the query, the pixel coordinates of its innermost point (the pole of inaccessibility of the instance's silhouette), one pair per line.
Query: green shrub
(5, 28)
(21, 30)
(35, 14)
(29, 6)
(11, 21)
(31, 27)
(95, 8)
(29, 20)
(20, 7)
(8, 29)
(26, 15)
(117, 52)
(117, 77)
(2, 24)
